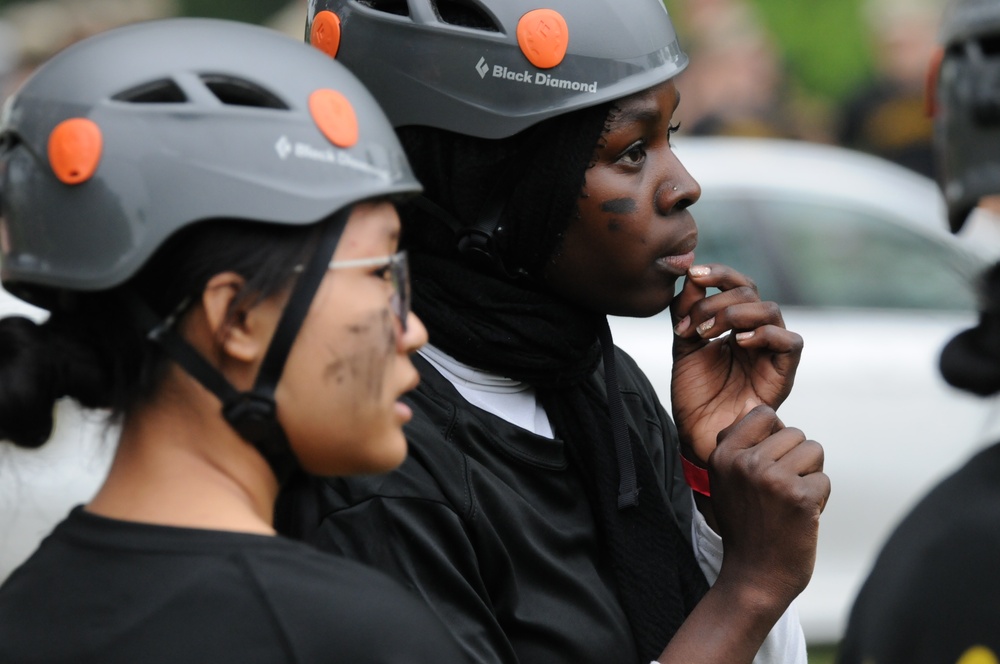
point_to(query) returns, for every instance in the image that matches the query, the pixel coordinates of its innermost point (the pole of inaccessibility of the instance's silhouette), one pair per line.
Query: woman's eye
(671, 130)
(635, 154)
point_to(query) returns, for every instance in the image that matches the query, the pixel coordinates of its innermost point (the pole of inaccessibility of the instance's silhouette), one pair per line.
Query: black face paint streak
(334, 369)
(620, 206)
(377, 343)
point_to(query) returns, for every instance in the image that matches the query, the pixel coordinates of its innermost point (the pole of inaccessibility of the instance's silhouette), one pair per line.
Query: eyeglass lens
(399, 268)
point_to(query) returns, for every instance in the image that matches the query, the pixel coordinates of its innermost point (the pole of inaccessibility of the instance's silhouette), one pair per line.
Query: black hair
(90, 349)
(971, 361)
(539, 173)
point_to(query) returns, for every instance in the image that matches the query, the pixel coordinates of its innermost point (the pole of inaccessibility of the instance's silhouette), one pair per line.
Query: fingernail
(682, 326)
(706, 326)
(700, 270)
(744, 335)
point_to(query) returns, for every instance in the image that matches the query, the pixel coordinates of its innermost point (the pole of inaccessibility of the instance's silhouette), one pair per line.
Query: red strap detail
(696, 477)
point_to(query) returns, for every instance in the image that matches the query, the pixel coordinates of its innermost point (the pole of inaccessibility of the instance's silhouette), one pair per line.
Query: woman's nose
(414, 336)
(679, 189)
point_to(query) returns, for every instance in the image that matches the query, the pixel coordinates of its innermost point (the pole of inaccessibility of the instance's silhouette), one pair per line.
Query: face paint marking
(334, 370)
(377, 337)
(620, 206)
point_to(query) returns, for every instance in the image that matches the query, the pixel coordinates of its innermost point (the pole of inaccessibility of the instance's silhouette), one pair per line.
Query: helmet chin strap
(253, 413)
(482, 241)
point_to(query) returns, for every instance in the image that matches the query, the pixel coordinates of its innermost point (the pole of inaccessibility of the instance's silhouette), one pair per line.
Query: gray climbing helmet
(125, 138)
(967, 106)
(491, 68)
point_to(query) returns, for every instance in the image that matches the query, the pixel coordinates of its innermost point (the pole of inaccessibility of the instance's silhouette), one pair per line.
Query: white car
(856, 251)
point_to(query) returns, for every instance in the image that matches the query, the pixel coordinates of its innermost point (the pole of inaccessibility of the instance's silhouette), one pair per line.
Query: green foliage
(825, 43)
(821, 654)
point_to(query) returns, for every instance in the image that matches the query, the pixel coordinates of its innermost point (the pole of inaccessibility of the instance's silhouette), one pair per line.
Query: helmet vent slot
(990, 46)
(397, 7)
(240, 92)
(465, 14)
(8, 141)
(163, 91)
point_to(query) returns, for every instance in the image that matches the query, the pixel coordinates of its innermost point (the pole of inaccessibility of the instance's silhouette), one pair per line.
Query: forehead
(375, 219)
(372, 227)
(654, 103)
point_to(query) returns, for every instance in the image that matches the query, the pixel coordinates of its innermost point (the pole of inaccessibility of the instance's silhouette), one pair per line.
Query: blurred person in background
(886, 116)
(933, 595)
(39, 29)
(736, 84)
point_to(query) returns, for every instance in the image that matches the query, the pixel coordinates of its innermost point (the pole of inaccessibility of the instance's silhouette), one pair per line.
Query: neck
(528, 335)
(179, 463)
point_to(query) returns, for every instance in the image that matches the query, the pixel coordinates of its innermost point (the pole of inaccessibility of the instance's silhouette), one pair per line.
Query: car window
(811, 254)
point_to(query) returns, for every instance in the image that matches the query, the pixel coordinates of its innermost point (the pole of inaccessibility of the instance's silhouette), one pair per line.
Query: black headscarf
(511, 326)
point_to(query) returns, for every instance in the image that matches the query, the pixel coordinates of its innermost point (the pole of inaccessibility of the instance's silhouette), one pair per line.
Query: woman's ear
(241, 333)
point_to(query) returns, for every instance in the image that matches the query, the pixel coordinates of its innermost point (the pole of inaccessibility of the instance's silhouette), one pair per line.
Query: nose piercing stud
(675, 188)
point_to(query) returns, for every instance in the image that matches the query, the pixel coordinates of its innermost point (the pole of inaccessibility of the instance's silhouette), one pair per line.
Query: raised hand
(729, 348)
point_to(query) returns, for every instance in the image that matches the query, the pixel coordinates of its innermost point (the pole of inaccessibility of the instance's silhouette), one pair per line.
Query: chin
(642, 300)
(370, 456)
(644, 308)
(387, 455)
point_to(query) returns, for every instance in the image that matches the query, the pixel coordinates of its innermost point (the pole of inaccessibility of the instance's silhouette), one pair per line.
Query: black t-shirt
(491, 524)
(103, 591)
(934, 592)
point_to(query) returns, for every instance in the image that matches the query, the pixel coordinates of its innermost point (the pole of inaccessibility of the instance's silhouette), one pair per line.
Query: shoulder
(334, 608)
(963, 509)
(641, 400)
(633, 381)
(935, 577)
(957, 520)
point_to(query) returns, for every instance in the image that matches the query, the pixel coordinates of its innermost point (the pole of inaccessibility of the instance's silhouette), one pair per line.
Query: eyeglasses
(396, 272)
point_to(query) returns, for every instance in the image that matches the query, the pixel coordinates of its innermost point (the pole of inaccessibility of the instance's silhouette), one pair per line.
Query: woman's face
(634, 236)
(338, 395)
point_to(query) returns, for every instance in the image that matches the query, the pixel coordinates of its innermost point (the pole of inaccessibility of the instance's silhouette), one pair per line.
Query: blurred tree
(824, 42)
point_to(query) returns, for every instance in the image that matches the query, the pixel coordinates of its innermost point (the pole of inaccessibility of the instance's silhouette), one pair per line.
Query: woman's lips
(403, 412)
(678, 264)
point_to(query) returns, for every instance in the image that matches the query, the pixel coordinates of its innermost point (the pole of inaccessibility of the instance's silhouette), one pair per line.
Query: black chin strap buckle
(254, 416)
(481, 241)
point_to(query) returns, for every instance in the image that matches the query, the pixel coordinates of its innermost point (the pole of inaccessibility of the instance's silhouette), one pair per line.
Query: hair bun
(27, 389)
